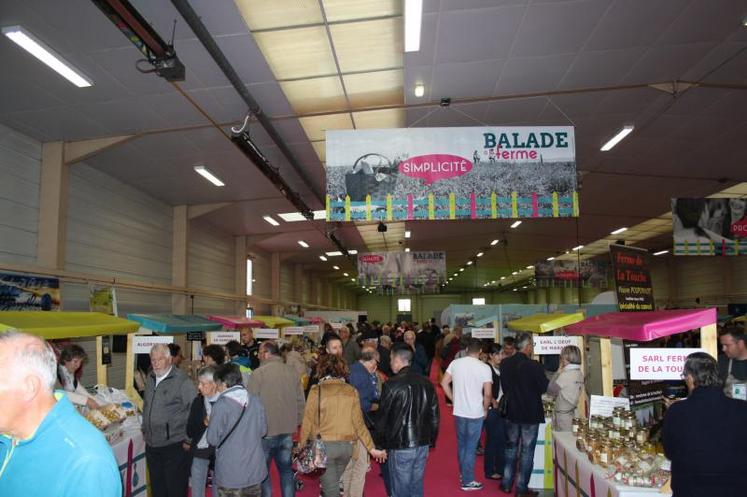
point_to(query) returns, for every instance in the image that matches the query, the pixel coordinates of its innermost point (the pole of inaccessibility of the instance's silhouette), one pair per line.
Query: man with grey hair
(46, 447)
(385, 345)
(351, 352)
(523, 381)
(169, 393)
(704, 435)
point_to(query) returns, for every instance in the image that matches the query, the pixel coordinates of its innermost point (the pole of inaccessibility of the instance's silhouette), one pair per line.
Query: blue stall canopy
(170, 324)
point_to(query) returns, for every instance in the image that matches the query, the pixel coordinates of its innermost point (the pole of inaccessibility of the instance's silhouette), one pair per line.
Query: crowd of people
(364, 391)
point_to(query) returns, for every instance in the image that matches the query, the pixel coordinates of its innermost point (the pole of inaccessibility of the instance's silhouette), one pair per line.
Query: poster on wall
(570, 272)
(26, 292)
(630, 270)
(405, 271)
(709, 226)
(451, 173)
(102, 299)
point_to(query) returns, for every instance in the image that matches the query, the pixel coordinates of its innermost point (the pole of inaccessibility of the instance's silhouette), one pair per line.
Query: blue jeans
(406, 468)
(495, 443)
(198, 477)
(279, 448)
(526, 434)
(468, 432)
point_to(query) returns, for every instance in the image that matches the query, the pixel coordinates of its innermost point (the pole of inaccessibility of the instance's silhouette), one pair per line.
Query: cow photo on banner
(709, 226)
(403, 271)
(585, 273)
(451, 173)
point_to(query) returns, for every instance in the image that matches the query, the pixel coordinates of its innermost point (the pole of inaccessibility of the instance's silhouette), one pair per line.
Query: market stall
(232, 326)
(118, 420)
(274, 327)
(610, 455)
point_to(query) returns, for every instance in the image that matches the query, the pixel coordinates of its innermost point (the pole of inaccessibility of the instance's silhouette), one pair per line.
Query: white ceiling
(470, 49)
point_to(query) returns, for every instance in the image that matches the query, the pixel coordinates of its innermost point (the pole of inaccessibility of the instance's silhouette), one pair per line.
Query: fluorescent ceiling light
(303, 244)
(407, 249)
(461, 269)
(270, 220)
(661, 252)
(419, 90)
(515, 290)
(352, 252)
(336, 268)
(323, 258)
(551, 258)
(625, 131)
(503, 277)
(469, 263)
(345, 274)
(38, 49)
(530, 267)
(336, 253)
(494, 242)
(576, 249)
(480, 254)
(413, 21)
(516, 224)
(618, 231)
(407, 234)
(352, 279)
(515, 273)
(293, 217)
(208, 175)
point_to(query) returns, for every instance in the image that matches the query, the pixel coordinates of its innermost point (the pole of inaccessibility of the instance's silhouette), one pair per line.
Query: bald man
(46, 447)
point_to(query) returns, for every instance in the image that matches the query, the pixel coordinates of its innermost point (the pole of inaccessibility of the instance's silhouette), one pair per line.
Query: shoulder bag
(312, 457)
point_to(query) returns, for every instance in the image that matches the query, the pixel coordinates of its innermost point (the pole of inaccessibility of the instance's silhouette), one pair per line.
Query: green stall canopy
(52, 325)
(169, 324)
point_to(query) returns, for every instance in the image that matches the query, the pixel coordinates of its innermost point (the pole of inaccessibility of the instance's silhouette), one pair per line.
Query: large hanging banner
(709, 226)
(26, 292)
(451, 173)
(405, 271)
(570, 272)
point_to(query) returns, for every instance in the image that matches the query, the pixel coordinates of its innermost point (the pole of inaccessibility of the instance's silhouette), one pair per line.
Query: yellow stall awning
(53, 325)
(545, 323)
(274, 321)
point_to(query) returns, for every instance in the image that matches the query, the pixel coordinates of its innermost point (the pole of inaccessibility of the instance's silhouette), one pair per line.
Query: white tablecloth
(130, 455)
(575, 476)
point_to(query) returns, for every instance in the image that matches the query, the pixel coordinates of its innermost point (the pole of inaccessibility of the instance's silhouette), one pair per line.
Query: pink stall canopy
(237, 322)
(643, 326)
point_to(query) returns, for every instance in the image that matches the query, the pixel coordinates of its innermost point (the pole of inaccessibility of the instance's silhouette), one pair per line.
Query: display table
(130, 455)
(575, 476)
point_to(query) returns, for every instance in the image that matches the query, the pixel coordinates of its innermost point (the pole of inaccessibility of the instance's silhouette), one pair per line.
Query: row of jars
(602, 450)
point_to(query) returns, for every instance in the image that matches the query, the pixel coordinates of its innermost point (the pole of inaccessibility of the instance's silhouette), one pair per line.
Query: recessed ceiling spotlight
(407, 234)
(661, 252)
(352, 279)
(503, 277)
(461, 269)
(516, 224)
(352, 252)
(494, 243)
(336, 268)
(625, 131)
(515, 273)
(419, 90)
(469, 263)
(303, 244)
(618, 231)
(270, 220)
(323, 258)
(407, 249)
(480, 254)
(345, 274)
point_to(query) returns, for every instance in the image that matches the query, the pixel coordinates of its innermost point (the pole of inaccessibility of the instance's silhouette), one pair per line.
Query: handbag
(503, 405)
(312, 458)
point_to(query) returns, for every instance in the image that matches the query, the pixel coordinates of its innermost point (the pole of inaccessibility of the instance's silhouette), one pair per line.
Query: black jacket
(384, 357)
(706, 439)
(523, 381)
(408, 412)
(196, 427)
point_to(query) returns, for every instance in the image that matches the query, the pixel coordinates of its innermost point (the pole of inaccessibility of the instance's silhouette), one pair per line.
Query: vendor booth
(611, 455)
(232, 326)
(119, 421)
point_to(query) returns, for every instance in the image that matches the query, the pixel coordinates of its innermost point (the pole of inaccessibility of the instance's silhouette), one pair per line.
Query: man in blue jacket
(46, 447)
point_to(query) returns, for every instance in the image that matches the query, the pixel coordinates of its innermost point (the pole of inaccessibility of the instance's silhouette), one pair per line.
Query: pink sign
(435, 167)
(371, 258)
(739, 229)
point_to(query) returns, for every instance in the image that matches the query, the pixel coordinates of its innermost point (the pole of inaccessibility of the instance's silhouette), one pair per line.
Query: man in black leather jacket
(406, 425)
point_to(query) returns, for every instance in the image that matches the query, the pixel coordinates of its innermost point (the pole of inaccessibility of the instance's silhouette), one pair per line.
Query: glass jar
(641, 436)
(575, 425)
(617, 416)
(605, 454)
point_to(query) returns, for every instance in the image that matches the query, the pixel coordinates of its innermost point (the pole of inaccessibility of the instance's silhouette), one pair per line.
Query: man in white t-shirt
(468, 384)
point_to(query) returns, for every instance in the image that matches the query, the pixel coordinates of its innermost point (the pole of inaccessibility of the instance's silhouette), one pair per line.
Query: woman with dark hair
(199, 413)
(495, 426)
(72, 358)
(333, 411)
(704, 435)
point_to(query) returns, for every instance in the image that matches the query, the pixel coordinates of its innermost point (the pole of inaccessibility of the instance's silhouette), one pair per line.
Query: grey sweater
(240, 461)
(166, 408)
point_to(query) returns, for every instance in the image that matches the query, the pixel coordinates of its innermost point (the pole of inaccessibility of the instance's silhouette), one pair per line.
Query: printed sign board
(267, 333)
(293, 330)
(658, 364)
(603, 406)
(223, 337)
(312, 328)
(630, 268)
(552, 345)
(483, 333)
(451, 173)
(709, 226)
(142, 344)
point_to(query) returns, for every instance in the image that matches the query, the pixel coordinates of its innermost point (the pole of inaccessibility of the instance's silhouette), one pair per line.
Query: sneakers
(473, 485)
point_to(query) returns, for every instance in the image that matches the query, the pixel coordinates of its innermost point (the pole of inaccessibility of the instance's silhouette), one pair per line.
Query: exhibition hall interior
(177, 172)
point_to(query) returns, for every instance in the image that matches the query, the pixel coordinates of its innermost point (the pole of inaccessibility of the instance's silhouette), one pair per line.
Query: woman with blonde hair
(333, 411)
(566, 387)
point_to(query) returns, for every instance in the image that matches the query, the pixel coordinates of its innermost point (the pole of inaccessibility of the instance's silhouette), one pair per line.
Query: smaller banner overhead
(709, 226)
(565, 272)
(451, 173)
(419, 271)
(630, 267)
